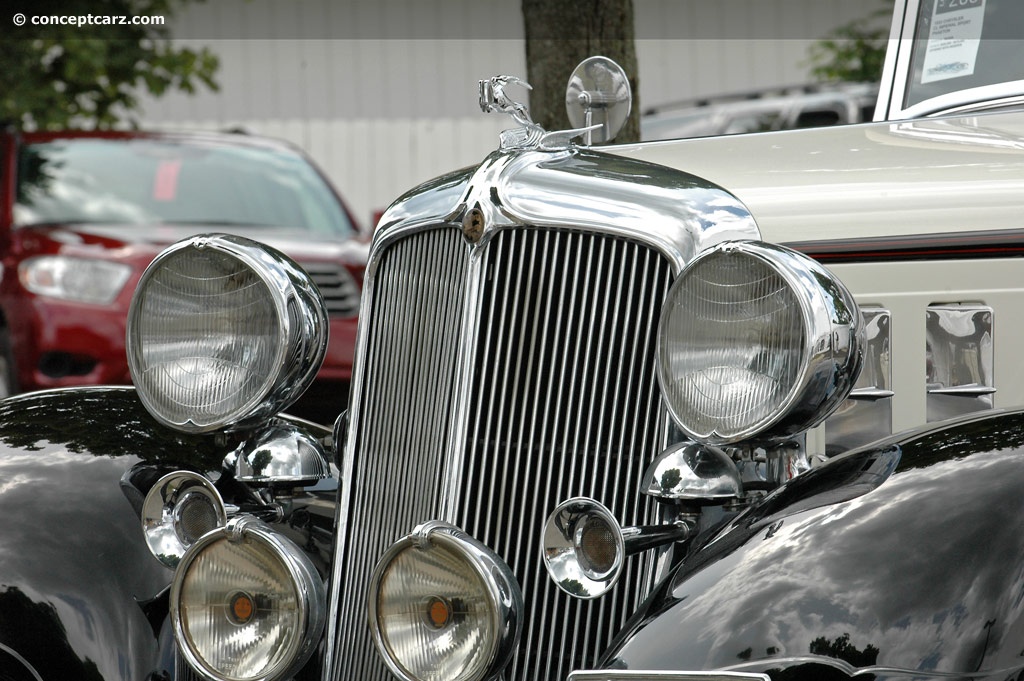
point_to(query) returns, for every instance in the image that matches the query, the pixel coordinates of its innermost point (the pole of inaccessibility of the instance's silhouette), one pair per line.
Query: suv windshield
(965, 44)
(151, 181)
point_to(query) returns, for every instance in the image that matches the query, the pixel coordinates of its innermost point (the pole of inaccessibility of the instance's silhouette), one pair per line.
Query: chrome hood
(677, 212)
(908, 177)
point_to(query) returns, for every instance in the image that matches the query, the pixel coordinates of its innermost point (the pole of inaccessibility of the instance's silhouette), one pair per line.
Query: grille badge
(473, 225)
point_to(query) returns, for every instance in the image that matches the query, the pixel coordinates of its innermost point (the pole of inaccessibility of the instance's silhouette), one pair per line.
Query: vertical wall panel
(383, 95)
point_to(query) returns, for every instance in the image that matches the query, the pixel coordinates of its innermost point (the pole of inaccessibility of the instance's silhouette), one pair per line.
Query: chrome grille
(339, 289)
(560, 400)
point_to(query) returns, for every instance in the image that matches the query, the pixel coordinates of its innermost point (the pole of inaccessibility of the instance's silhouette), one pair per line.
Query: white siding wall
(383, 94)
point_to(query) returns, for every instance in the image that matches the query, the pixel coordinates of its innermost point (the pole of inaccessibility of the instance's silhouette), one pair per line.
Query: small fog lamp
(246, 604)
(443, 606)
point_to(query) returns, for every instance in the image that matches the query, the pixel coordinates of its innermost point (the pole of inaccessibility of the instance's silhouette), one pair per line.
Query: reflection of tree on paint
(103, 422)
(35, 632)
(841, 649)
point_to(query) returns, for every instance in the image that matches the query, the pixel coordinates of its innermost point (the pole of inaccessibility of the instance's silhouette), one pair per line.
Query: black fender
(81, 596)
(903, 559)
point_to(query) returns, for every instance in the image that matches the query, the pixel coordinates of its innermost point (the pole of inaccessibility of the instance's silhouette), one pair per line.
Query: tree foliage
(855, 51)
(90, 75)
(562, 33)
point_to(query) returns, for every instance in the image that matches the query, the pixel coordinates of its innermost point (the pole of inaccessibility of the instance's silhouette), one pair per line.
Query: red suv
(83, 213)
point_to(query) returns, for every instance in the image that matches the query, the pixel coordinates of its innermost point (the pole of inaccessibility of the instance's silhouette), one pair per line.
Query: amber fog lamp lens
(221, 330)
(756, 340)
(246, 605)
(442, 606)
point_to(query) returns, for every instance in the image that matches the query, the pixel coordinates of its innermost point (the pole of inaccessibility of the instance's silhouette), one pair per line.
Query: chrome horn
(180, 508)
(585, 548)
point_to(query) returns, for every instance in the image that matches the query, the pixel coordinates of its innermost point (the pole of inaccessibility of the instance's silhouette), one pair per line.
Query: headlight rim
(794, 268)
(301, 325)
(303, 575)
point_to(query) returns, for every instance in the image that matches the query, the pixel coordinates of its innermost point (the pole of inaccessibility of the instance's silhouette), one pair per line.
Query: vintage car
(82, 213)
(719, 409)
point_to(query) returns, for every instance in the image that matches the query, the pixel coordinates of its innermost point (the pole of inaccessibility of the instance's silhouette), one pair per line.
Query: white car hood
(881, 179)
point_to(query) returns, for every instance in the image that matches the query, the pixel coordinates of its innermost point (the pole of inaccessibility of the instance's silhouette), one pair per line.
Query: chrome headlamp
(443, 606)
(246, 604)
(756, 340)
(221, 331)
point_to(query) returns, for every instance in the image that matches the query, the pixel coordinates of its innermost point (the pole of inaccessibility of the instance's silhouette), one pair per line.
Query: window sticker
(953, 40)
(165, 182)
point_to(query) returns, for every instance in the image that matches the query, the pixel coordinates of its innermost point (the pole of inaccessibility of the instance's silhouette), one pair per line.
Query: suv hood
(89, 237)
(879, 179)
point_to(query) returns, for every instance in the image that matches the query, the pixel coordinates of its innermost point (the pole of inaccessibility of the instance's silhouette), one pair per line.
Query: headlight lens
(223, 330)
(78, 279)
(442, 606)
(756, 340)
(246, 604)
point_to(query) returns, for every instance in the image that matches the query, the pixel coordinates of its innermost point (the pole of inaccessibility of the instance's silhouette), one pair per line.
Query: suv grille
(339, 289)
(553, 396)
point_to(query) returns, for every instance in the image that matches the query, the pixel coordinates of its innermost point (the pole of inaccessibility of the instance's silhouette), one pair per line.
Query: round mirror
(598, 95)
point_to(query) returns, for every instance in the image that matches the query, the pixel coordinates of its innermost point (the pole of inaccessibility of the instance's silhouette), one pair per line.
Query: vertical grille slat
(412, 345)
(560, 400)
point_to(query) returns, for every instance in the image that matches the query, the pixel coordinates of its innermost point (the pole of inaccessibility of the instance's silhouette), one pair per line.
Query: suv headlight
(223, 331)
(756, 340)
(79, 279)
(246, 604)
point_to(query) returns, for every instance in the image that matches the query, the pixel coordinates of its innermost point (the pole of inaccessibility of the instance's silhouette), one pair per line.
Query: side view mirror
(598, 94)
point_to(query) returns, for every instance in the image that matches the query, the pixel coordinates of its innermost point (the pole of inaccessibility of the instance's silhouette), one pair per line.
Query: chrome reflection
(281, 453)
(691, 471)
(959, 355)
(179, 509)
(866, 415)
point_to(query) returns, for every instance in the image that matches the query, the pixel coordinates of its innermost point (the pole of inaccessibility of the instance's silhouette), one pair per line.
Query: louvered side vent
(563, 402)
(339, 289)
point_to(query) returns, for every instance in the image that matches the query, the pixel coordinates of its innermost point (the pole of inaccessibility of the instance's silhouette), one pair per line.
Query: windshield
(147, 181)
(965, 44)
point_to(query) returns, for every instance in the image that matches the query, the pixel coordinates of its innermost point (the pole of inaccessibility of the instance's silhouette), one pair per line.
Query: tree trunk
(562, 33)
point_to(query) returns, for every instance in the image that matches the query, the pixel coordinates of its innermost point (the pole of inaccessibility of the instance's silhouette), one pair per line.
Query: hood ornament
(598, 100)
(494, 100)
